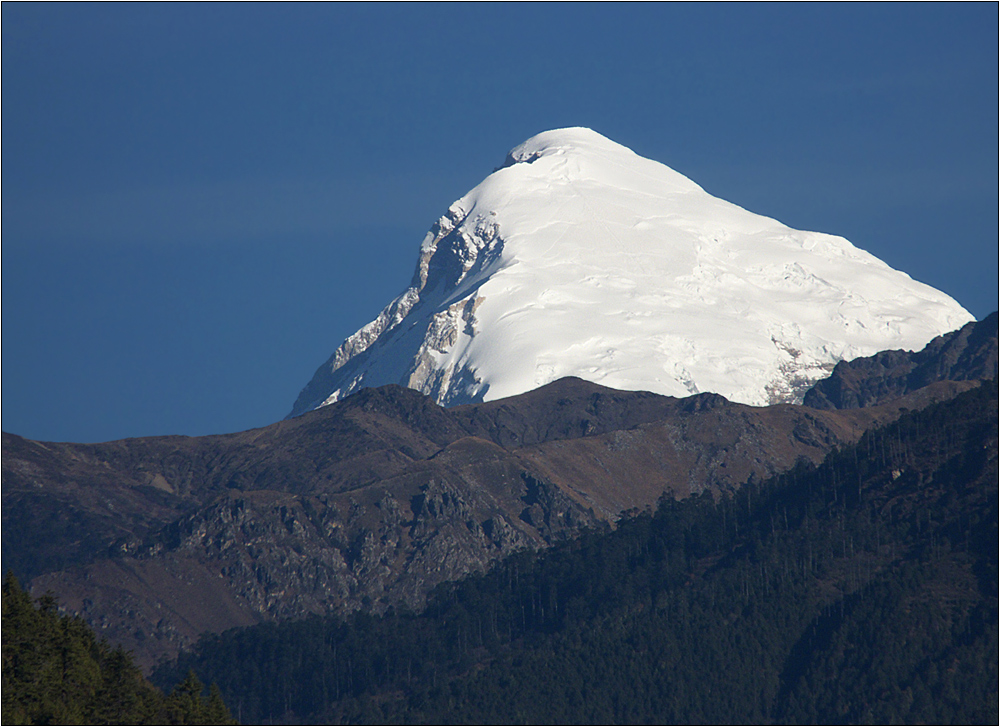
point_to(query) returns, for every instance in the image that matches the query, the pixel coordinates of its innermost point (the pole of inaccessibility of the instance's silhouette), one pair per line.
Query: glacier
(578, 257)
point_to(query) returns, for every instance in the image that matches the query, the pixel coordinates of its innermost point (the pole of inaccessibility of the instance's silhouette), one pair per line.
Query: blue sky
(200, 201)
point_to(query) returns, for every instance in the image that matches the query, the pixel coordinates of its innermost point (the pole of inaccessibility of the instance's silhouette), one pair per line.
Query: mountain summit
(580, 258)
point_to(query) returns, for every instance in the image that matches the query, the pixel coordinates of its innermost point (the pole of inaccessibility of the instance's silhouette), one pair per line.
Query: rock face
(963, 355)
(580, 258)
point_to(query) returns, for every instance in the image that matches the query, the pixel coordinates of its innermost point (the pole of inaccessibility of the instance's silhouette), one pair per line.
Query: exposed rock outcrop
(967, 354)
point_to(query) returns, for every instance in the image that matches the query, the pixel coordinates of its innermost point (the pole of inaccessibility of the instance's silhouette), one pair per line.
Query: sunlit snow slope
(580, 258)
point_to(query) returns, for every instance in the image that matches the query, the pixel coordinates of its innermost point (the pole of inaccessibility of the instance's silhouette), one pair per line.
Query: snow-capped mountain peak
(579, 257)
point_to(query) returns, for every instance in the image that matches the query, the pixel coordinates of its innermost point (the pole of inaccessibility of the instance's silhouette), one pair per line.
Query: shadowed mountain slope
(860, 591)
(969, 353)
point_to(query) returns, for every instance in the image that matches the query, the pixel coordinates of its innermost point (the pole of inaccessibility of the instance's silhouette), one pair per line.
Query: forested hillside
(56, 671)
(862, 590)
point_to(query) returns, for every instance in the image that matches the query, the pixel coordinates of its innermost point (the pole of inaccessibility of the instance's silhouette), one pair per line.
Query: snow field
(580, 258)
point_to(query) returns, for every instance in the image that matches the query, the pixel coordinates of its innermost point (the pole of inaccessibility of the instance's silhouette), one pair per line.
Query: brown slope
(567, 409)
(280, 555)
(716, 448)
(359, 507)
(65, 503)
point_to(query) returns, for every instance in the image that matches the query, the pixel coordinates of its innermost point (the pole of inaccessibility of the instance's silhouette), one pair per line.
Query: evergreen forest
(56, 671)
(863, 590)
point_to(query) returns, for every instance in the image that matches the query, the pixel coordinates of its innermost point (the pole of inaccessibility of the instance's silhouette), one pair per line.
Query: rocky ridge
(969, 353)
